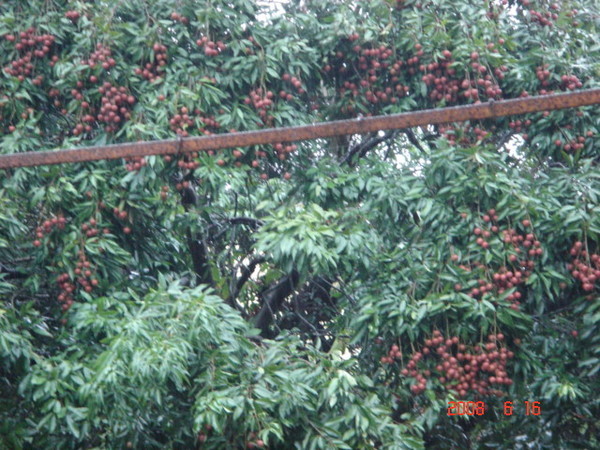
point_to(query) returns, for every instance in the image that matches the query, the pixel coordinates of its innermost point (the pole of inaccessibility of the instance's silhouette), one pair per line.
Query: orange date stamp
(479, 408)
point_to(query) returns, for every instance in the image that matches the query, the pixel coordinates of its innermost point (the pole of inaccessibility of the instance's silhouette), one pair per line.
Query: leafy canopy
(335, 293)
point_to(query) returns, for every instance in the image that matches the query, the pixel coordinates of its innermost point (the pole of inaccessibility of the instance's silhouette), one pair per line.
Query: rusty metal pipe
(304, 132)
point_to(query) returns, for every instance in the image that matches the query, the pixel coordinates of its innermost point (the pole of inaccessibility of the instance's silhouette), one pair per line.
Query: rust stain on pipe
(484, 110)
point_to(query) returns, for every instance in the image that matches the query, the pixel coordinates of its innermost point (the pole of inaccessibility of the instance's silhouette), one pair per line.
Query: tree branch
(246, 273)
(249, 221)
(200, 259)
(12, 273)
(410, 134)
(362, 148)
(273, 299)
(196, 244)
(314, 296)
(504, 139)
(255, 223)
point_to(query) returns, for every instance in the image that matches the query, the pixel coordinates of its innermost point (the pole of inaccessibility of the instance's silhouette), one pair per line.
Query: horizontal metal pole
(484, 110)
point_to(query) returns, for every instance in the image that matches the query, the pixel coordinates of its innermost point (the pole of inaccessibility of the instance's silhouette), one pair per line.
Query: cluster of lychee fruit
(262, 101)
(164, 193)
(102, 56)
(572, 15)
(285, 95)
(250, 50)
(73, 15)
(523, 242)
(543, 75)
(80, 128)
(181, 185)
(463, 134)
(31, 47)
(439, 78)
(294, 81)
(76, 93)
(116, 106)
(377, 80)
(179, 18)
(55, 94)
(89, 228)
(414, 60)
(585, 266)
(67, 287)
(189, 161)
(87, 119)
(184, 120)
(577, 143)
(24, 115)
(85, 275)
(567, 82)
(570, 82)
(525, 248)
(519, 126)
(180, 122)
(208, 123)
(375, 67)
(49, 225)
(463, 368)
(393, 353)
(543, 18)
(211, 48)
(135, 163)
(253, 442)
(450, 88)
(122, 215)
(154, 70)
(282, 150)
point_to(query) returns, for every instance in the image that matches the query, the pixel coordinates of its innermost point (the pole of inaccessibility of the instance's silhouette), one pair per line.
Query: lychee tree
(436, 286)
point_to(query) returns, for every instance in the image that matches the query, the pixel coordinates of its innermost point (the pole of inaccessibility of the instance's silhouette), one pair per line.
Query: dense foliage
(335, 293)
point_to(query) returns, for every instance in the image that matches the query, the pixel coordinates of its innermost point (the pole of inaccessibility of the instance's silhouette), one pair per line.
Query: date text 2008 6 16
(479, 408)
